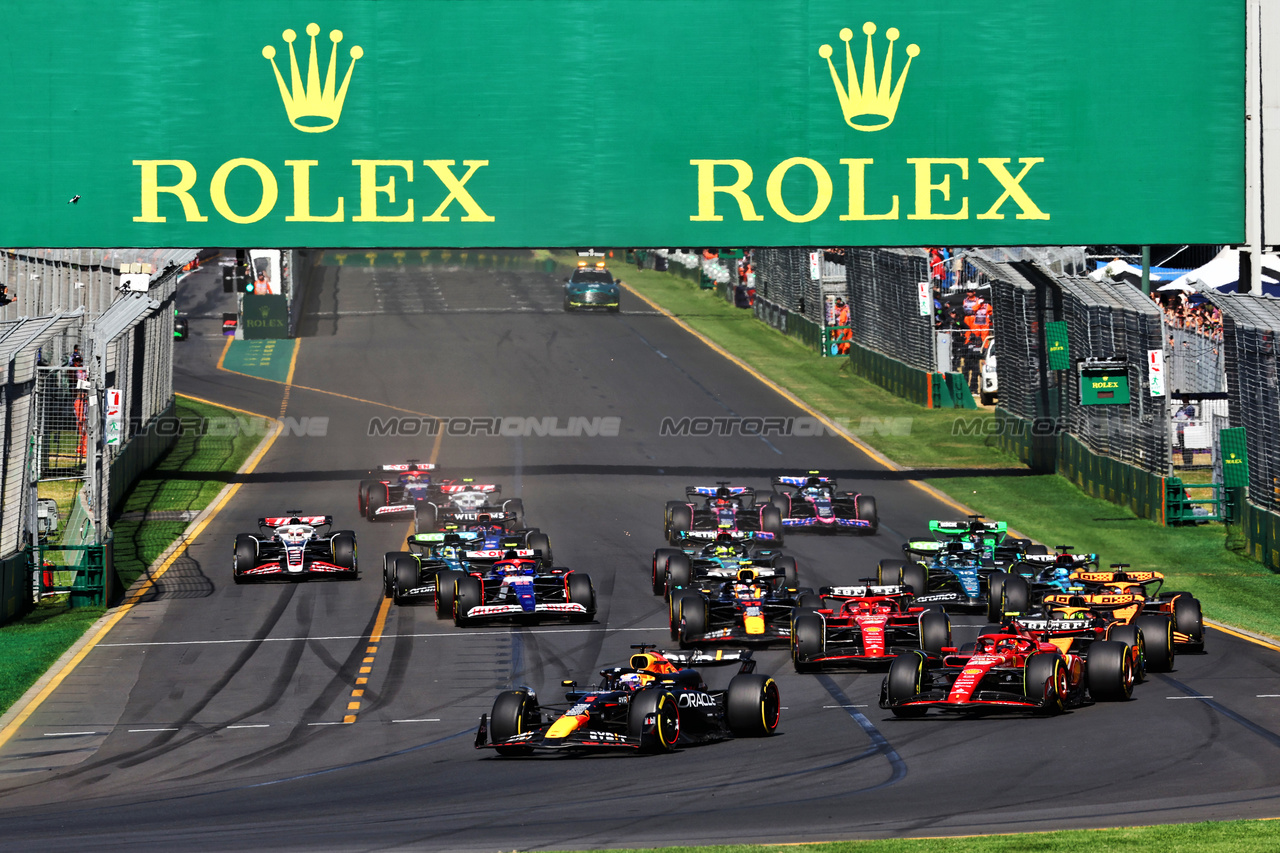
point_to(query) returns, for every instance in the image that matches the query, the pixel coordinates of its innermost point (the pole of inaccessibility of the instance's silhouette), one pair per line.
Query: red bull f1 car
(721, 508)
(813, 502)
(656, 703)
(861, 625)
(295, 547)
(514, 586)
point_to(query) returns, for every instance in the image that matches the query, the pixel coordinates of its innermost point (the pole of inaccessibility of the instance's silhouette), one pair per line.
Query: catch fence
(1251, 326)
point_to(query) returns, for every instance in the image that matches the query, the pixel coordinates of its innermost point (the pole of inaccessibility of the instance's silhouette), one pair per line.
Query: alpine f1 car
(864, 625)
(295, 547)
(397, 490)
(656, 703)
(516, 586)
(410, 576)
(709, 555)
(751, 608)
(466, 502)
(721, 507)
(812, 502)
(592, 287)
(1008, 670)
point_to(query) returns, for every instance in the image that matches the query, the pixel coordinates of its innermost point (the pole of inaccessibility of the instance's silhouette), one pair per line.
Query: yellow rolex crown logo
(311, 107)
(868, 105)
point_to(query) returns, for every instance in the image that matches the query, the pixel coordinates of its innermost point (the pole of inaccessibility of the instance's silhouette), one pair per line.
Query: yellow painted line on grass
(796, 401)
(222, 406)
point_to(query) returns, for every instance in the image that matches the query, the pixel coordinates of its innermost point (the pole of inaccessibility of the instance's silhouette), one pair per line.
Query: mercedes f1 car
(295, 547)
(515, 586)
(754, 607)
(721, 558)
(410, 576)
(656, 703)
(864, 625)
(812, 502)
(1009, 670)
(722, 508)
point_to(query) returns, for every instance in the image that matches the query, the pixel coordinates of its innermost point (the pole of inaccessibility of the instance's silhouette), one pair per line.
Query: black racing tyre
(1109, 671)
(691, 616)
(790, 574)
(889, 572)
(540, 542)
(1035, 550)
(389, 573)
(809, 601)
(679, 572)
(808, 639)
(515, 505)
(1157, 638)
(1132, 637)
(935, 631)
(581, 591)
(246, 555)
(666, 516)
(445, 584)
(753, 705)
(425, 519)
(681, 521)
(675, 609)
(362, 496)
(866, 507)
(662, 708)
(468, 592)
(1045, 677)
(915, 576)
(782, 502)
(514, 712)
(771, 521)
(376, 500)
(1187, 619)
(408, 575)
(995, 596)
(342, 546)
(1016, 597)
(660, 557)
(905, 681)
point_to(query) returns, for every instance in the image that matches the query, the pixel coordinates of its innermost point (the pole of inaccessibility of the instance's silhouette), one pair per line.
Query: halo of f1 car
(295, 547)
(656, 703)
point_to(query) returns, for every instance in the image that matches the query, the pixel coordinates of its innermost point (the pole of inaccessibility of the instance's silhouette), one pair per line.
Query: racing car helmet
(633, 681)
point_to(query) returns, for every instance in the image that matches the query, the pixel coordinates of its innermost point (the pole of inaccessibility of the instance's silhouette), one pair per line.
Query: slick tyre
(514, 712)
(1157, 638)
(995, 596)
(246, 556)
(676, 610)
(342, 547)
(468, 592)
(808, 640)
(515, 505)
(376, 499)
(790, 574)
(540, 542)
(654, 719)
(681, 521)
(362, 496)
(1132, 637)
(424, 520)
(1110, 671)
(666, 517)
(904, 682)
(692, 616)
(1187, 619)
(1045, 679)
(660, 558)
(1016, 596)
(809, 601)
(446, 582)
(579, 590)
(935, 631)
(889, 572)
(771, 521)
(753, 705)
(866, 507)
(679, 572)
(916, 576)
(407, 576)
(782, 502)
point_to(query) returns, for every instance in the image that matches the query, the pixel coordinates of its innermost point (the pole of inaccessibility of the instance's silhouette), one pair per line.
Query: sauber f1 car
(410, 576)
(1007, 671)
(864, 625)
(293, 547)
(698, 560)
(722, 508)
(812, 502)
(397, 490)
(516, 586)
(654, 704)
(751, 608)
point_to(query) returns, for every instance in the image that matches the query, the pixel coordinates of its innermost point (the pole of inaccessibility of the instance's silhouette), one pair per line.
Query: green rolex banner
(264, 317)
(1057, 345)
(603, 122)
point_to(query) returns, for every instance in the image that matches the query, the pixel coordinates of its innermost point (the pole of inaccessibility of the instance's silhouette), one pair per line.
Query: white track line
(1188, 697)
(432, 720)
(252, 726)
(153, 730)
(69, 734)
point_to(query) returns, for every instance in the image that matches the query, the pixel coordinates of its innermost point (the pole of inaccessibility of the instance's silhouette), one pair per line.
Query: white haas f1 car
(464, 503)
(295, 547)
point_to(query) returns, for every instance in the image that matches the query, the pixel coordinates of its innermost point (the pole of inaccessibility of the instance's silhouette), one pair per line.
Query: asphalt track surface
(211, 717)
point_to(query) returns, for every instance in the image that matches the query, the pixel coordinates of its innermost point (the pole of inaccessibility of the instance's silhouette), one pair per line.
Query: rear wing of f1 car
(274, 521)
(862, 591)
(803, 479)
(700, 657)
(408, 466)
(712, 491)
(738, 535)
(950, 529)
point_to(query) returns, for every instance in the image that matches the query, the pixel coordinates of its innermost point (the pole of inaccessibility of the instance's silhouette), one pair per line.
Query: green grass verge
(189, 477)
(1232, 588)
(1241, 836)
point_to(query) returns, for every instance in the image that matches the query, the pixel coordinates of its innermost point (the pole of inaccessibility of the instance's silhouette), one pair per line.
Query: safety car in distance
(656, 703)
(516, 586)
(863, 625)
(295, 547)
(813, 502)
(751, 608)
(592, 286)
(1009, 670)
(721, 507)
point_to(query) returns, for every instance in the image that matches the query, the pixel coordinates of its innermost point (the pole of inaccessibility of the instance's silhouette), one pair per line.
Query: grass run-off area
(1242, 836)
(965, 465)
(188, 478)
